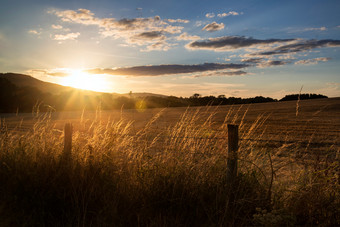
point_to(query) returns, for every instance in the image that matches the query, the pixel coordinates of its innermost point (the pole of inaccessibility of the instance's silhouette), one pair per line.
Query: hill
(21, 80)
(21, 93)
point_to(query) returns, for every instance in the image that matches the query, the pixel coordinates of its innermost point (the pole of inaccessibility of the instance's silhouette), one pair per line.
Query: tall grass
(171, 177)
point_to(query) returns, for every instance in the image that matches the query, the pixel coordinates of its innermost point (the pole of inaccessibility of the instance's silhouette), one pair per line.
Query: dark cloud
(223, 73)
(302, 45)
(213, 27)
(150, 35)
(270, 63)
(252, 60)
(232, 42)
(158, 70)
(135, 23)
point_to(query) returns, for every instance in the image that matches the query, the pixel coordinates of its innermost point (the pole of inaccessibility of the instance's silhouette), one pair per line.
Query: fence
(233, 141)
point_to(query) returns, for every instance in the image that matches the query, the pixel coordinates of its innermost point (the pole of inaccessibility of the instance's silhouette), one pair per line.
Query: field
(166, 167)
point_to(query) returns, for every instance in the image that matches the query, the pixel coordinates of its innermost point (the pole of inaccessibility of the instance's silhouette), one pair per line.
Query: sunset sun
(86, 81)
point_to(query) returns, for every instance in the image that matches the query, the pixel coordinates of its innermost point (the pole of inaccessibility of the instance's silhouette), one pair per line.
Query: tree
(195, 96)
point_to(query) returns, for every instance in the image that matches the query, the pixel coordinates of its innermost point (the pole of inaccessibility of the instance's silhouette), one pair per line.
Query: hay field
(167, 167)
(316, 122)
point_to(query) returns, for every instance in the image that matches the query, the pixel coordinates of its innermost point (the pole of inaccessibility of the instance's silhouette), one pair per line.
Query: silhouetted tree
(302, 96)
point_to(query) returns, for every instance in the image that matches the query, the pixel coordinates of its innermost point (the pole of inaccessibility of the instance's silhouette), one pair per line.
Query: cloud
(161, 45)
(223, 73)
(186, 36)
(56, 26)
(34, 32)
(69, 36)
(199, 23)
(178, 21)
(312, 61)
(159, 70)
(316, 29)
(210, 15)
(252, 60)
(83, 16)
(150, 35)
(263, 48)
(301, 45)
(227, 43)
(231, 13)
(45, 72)
(58, 74)
(147, 30)
(213, 27)
(269, 63)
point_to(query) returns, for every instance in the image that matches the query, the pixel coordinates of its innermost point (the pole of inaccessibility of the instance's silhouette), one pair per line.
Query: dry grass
(160, 174)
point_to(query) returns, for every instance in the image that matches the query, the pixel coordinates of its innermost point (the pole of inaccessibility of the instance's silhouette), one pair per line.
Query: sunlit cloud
(210, 15)
(213, 27)
(252, 60)
(316, 29)
(34, 32)
(178, 21)
(69, 36)
(52, 72)
(54, 26)
(221, 73)
(231, 13)
(161, 46)
(186, 36)
(312, 61)
(141, 31)
(159, 70)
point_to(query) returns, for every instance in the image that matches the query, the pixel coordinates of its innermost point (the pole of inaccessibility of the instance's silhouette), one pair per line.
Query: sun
(82, 80)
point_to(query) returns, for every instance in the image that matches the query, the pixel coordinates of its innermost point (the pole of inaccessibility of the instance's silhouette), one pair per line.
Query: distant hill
(142, 95)
(21, 80)
(22, 93)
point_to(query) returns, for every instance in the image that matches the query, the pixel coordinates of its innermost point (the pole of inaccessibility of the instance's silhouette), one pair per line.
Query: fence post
(67, 142)
(232, 153)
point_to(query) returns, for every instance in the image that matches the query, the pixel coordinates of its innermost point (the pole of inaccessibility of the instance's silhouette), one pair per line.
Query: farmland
(313, 121)
(167, 166)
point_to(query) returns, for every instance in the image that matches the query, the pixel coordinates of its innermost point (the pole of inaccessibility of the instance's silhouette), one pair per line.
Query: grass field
(167, 167)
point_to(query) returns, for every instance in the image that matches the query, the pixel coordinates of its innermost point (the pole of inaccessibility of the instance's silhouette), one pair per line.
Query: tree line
(24, 99)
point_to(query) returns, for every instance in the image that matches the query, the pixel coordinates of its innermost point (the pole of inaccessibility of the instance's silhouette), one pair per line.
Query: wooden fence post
(67, 142)
(232, 153)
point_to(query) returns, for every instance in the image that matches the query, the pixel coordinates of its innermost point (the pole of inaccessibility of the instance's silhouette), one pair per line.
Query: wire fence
(4, 128)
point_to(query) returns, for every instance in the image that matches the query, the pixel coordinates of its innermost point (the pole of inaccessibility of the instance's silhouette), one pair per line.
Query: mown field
(167, 167)
(310, 121)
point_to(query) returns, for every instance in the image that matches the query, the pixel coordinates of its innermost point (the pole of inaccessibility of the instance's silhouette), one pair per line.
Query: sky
(241, 48)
